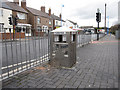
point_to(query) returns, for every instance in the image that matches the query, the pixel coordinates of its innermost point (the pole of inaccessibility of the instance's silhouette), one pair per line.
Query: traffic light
(10, 21)
(15, 21)
(97, 17)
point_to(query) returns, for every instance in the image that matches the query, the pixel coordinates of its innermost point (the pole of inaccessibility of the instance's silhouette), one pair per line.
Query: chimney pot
(23, 4)
(49, 11)
(43, 9)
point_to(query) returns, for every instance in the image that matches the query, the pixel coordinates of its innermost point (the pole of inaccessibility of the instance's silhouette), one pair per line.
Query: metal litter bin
(63, 47)
(117, 34)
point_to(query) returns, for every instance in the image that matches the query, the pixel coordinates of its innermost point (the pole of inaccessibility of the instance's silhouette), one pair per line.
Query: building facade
(39, 19)
(71, 24)
(12, 9)
(5, 13)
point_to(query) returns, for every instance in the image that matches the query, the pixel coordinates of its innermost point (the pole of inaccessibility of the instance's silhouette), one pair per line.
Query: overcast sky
(81, 11)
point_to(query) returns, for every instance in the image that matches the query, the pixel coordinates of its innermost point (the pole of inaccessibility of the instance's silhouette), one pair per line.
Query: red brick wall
(10, 36)
(39, 33)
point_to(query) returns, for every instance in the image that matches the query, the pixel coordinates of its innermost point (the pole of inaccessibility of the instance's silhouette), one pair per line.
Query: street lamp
(61, 14)
(108, 26)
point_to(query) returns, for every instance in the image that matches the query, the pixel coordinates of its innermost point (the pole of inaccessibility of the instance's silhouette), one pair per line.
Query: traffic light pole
(98, 32)
(13, 31)
(98, 19)
(13, 21)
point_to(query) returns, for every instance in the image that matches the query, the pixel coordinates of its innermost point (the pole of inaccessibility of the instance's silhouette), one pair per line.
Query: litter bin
(117, 34)
(63, 47)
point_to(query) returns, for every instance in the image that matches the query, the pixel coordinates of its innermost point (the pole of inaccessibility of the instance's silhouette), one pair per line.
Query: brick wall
(39, 33)
(10, 35)
(44, 21)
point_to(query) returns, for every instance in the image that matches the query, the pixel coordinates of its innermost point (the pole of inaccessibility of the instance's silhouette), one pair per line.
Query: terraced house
(5, 12)
(12, 9)
(39, 19)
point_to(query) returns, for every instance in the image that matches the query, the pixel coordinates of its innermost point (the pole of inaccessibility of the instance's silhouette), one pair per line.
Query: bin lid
(64, 29)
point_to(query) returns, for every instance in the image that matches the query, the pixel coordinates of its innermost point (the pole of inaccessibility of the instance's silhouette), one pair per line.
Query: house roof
(4, 5)
(56, 17)
(38, 13)
(13, 6)
(72, 22)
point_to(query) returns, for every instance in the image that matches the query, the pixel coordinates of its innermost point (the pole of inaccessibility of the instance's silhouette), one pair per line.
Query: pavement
(96, 67)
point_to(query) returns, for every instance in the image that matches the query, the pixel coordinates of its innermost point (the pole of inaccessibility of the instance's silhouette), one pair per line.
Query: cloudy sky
(80, 11)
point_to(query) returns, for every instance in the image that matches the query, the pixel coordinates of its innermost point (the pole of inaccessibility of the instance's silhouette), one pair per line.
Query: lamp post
(61, 14)
(108, 26)
(105, 17)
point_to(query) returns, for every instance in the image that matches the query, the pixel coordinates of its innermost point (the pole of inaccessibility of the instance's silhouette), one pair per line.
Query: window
(27, 30)
(1, 27)
(39, 28)
(44, 28)
(56, 22)
(50, 22)
(21, 15)
(75, 26)
(38, 20)
(18, 29)
(1, 12)
(24, 29)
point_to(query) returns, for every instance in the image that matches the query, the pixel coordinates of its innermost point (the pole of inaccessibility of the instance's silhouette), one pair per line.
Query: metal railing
(21, 51)
(83, 39)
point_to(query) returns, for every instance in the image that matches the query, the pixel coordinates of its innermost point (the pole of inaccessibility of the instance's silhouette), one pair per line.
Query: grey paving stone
(58, 82)
(77, 83)
(50, 86)
(61, 86)
(116, 85)
(81, 86)
(103, 84)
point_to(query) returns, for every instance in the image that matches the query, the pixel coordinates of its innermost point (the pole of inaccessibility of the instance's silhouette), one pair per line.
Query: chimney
(23, 4)
(16, 2)
(60, 16)
(49, 11)
(43, 9)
